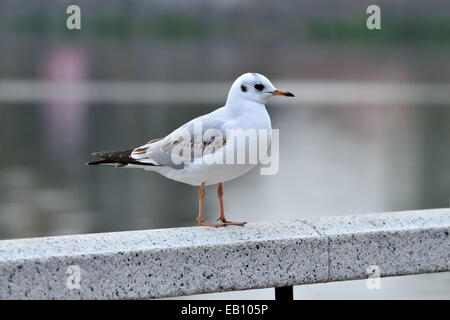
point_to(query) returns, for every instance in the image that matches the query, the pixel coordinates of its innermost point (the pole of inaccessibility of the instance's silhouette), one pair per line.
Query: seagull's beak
(282, 93)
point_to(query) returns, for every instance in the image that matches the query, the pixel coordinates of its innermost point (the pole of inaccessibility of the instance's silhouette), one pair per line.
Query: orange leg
(222, 213)
(200, 220)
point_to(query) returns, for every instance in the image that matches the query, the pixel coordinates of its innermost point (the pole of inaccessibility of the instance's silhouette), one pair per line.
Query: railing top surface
(180, 261)
(201, 236)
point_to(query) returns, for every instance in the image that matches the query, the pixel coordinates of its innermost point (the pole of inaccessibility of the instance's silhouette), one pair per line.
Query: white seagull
(244, 109)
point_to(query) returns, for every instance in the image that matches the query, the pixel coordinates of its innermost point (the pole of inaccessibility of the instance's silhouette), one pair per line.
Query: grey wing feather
(164, 151)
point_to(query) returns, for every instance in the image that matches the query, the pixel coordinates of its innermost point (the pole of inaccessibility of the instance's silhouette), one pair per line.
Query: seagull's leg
(200, 220)
(222, 213)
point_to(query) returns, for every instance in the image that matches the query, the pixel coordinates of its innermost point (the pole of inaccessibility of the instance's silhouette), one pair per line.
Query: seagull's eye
(243, 88)
(259, 87)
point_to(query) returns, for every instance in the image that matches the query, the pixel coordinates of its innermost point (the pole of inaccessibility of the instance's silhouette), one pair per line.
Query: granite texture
(399, 243)
(182, 261)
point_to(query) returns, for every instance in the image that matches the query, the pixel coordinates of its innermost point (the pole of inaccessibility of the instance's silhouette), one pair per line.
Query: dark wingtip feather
(119, 158)
(94, 163)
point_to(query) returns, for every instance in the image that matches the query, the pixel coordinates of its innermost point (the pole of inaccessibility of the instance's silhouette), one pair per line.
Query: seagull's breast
(254, 122)
(244, 131)
(251, 117)
(241, 152)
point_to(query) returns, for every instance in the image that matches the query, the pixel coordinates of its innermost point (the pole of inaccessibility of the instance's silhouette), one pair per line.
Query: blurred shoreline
(307, 92)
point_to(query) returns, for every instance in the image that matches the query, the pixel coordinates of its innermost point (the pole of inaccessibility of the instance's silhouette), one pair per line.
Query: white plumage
(208, 138)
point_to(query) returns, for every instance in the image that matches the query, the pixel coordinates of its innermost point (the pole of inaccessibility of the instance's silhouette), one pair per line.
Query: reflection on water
(333, 160)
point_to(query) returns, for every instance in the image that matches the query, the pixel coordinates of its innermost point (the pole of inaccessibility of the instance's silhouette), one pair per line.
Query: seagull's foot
(226, 222)
(211, 224)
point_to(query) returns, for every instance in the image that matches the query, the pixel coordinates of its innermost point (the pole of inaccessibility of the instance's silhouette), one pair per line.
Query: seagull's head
(254, 87)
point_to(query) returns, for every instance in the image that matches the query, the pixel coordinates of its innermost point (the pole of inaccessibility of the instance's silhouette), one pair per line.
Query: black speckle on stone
(257, 246)
(243, 88)
(446, 233)
(21, 266)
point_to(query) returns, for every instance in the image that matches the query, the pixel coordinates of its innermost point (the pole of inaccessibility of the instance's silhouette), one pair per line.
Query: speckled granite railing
(182, 261)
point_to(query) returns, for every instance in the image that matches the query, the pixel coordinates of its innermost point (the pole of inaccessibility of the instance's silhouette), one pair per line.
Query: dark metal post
(284, 293)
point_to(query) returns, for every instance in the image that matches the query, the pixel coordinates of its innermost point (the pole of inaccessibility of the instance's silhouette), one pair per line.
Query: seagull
(244, 110)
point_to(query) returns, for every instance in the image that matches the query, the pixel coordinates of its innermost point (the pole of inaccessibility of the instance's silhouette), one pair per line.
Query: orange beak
(282, 93)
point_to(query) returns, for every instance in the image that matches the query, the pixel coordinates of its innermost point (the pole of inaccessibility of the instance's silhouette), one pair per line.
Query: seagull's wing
(166, 151)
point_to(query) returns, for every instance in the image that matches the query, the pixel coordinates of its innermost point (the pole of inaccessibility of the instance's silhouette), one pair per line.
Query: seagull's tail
(116, 158)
